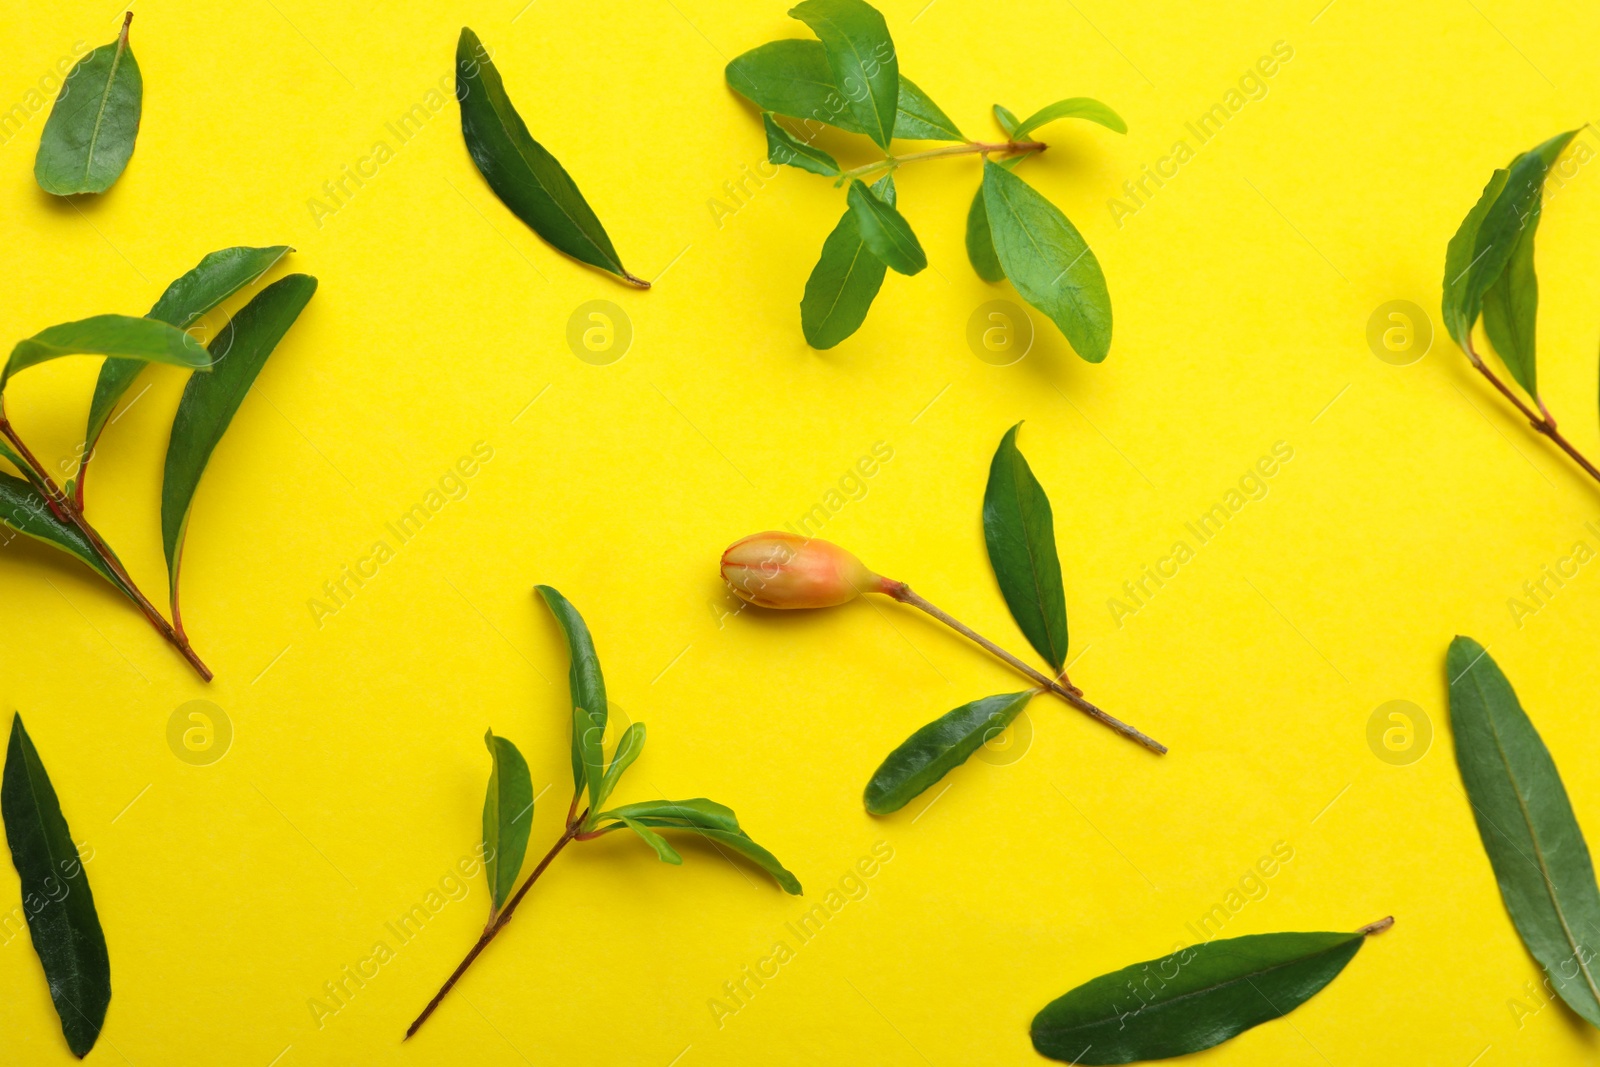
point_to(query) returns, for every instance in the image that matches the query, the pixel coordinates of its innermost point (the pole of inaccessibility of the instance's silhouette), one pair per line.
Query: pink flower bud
(783, 570)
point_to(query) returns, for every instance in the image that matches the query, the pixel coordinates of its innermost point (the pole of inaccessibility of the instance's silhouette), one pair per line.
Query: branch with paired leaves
(782, 570)
(1488, 274)
(36, 505)
(508, 805)
(850, 79)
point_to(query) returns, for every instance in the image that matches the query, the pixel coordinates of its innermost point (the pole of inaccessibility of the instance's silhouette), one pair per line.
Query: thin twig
(1541, 421)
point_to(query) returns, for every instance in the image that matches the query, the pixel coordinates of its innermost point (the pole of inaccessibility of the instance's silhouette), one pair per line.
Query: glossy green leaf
(1077, 107)
(1007, 120)
(24, 509)
(62, 920)
(862, 59)
(741, 843)
(527, 178)
(664, 851)
(588, 738)
(792, 78)
(845, 280)
(215, 278)
(1019, 530)
(507, 818)
(1048, 261)
(89, 136)
(885, 231)
(145, 340)
(239, 351)
(980, 245)
(1461, 305)
(1191, 1000)
(1534, 844)
(1511, 306)
(784, 149)
(584, 680)
(697, 811)
(938, 748)
(628, 749)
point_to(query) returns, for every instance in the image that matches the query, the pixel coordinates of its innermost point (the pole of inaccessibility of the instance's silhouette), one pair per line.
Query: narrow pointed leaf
(1191, 1000)
(522, 173)
(628, 749)
(1019, 530)
(885, 231)
(209, 401)
(24, 509)
(697, 811)
(1007, 120)
(664, 851)
(89, 136)
(1511, 306)
(145, 340)
(784, 149)
(792, 78)
(1538, 853)
(845, 280)
(507, 818)
(1461, 303)
(584, 680)
(218, 276)
(862, 59)
(741, 843)
(938, 748)
(62, 921)
(1048, 261)
(1077, 107)
(588, 736)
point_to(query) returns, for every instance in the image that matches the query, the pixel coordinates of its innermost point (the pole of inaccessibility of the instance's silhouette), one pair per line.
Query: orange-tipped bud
(783, 570)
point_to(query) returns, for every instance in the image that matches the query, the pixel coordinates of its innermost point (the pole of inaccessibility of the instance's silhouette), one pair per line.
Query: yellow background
(1415, 506)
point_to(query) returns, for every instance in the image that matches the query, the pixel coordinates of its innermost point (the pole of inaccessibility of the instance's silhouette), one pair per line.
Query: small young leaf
(783, 148)
(24, 509)
(1077, 107)
(666, 852)
(215, 278)
(1007, 121)
(584, 680)
(792, 78)
(89, 135)
(885, 231)
(628, 749)
(1533, 840)
(526, 177)
(1461, 304)
(1048, 261)
(1019, 530)
(1511, 308)
(845, 280)
(938, 748)
(694, 812)
(1216, 990)
(209, 401)
(507, 818)
(145, 340)
(862, 59)
(62, 921)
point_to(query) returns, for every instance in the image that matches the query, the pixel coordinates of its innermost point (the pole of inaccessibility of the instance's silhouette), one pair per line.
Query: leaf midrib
(1027, 545)
(105, 98)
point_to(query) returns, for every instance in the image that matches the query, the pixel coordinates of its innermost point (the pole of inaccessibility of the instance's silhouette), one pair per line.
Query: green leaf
(218, 276)
(89, 135)
(1461, 303)
(697, 811)
(845, 280)
(62, 921)
(507, 818)
(1191, 1000)
(1077, 107)
(1019, 530)
(526, 177)
(588, 736)
(209, 401)
(666, 852)
(25, 509)
(628, 749)
(1534, 844)
(1007, 121)
(939, 748)
(980, 245)
(1511, 306)
(584, 680)
(861, 58)
(783, 148)
(792, 78)
(145, 340)
(885, 231)
(1048, 262)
